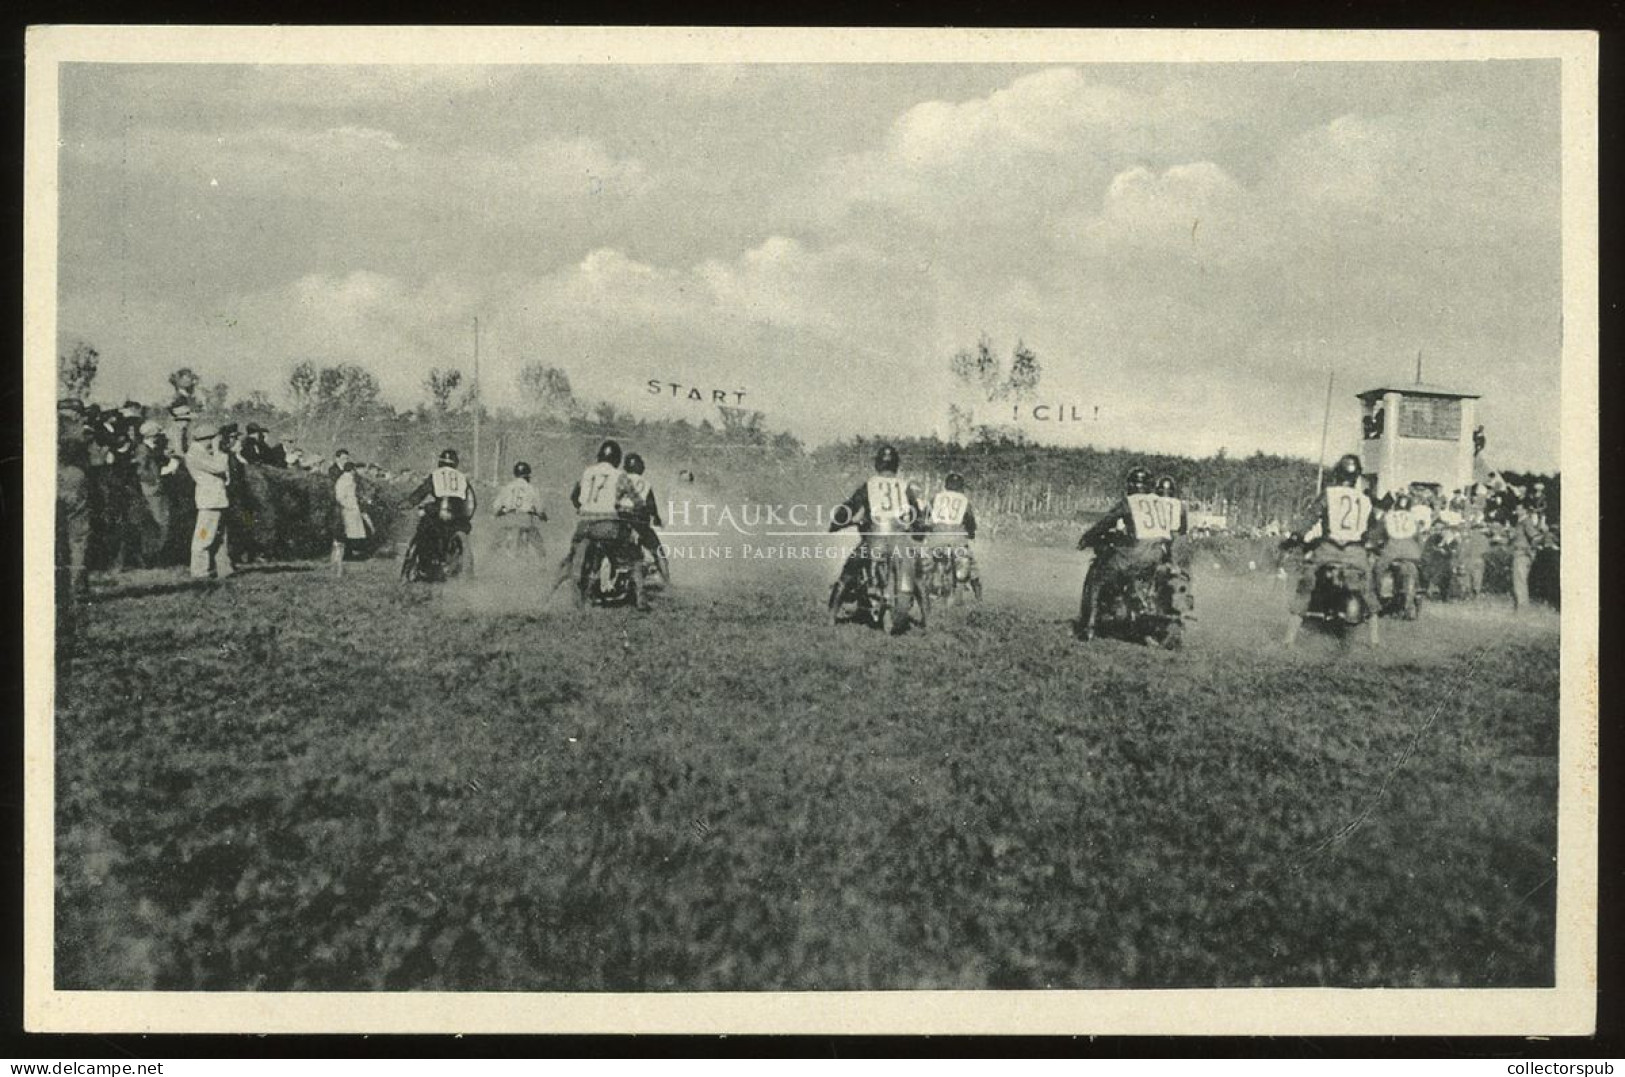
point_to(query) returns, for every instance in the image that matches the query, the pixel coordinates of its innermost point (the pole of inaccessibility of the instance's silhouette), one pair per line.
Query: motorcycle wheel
(451, 565)
(409, 563)
(1173, 636)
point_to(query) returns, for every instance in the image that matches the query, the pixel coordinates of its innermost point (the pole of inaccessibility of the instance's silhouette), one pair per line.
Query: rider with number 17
(603, 499)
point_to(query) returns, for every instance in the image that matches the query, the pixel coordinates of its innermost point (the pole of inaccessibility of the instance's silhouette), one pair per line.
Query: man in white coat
(210, 471)
(352, 524)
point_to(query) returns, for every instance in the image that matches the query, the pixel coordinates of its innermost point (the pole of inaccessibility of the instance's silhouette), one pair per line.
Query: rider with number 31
(887, 510)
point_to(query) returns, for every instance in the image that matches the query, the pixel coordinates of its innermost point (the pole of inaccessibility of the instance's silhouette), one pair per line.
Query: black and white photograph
(557, 528)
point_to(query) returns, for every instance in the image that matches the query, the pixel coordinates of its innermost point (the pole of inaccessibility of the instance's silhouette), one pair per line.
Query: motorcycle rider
(953, 527)
(603, 498)
(1399, 535)
(1179, 543)
(885, 509)
(1337, 534)
(646, 515)
(519, 508)
(1134, 535)
(450, 489)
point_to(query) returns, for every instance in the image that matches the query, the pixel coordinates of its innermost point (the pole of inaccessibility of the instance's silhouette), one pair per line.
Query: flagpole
(1325, 430)
(476, 468)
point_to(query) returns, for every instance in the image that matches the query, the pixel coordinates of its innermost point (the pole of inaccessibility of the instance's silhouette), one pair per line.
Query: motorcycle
(438, 551)
(1338, 599)
(879, 596)
(946, 572)
(522, 542)
(1399, 592)
(1149, 604)
(610, 576)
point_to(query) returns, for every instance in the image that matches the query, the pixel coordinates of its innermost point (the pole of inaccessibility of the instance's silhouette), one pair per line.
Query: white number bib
(888, 501)
(1150, 514)
(1400, 524)
(449, 482)
(948, 508)
(598, 490)
(1348, 511)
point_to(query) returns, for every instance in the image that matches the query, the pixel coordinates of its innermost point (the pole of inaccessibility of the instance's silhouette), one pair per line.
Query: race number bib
(1152, 516)
(888, 501)
(948, 508)
(640, 485)
(1400, 525)
(1347, 513)
(598, 490)
(449, 482)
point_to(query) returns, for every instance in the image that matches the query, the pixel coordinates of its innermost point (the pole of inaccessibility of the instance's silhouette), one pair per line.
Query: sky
(1190, 248)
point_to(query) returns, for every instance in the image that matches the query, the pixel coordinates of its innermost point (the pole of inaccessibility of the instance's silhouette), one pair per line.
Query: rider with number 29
(887, 512)
(1135, 534)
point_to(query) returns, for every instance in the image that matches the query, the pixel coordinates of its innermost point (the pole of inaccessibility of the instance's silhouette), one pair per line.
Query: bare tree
(440, 384)
(547, 389)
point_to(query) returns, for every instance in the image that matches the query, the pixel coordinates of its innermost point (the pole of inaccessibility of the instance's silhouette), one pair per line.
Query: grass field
(291, 782)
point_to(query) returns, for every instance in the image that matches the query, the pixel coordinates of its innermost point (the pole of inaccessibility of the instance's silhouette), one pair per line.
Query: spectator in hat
(211, 473)
(341, 460)
(151, 460)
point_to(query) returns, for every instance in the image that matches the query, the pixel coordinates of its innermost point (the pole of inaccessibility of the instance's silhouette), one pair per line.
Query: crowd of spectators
(144, 487)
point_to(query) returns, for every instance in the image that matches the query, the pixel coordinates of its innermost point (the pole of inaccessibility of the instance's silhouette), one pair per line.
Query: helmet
(204, 431)
(886, 459)
(448, 458)
(149, 429)
(1403, 502)
(634, 464)
(1166, 486)
(1347, 471)
(610, 452)
(521, 470)
(1137, 481)
(955, 481)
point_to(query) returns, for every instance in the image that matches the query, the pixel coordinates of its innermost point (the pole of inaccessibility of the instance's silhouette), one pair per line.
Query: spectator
(211, 472)
(351, 524)
(341, 460)
(1471, 550)
(1527, 536)
(73, 448)
(151, 461)
(180, 428)
(1479, 441)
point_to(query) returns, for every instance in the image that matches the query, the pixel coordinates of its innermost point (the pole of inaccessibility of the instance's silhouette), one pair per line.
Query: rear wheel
(452, 564)
(1173, 636)
(409, 562)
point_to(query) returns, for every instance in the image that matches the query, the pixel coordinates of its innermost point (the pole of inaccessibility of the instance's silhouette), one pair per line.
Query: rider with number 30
(1134, 534)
